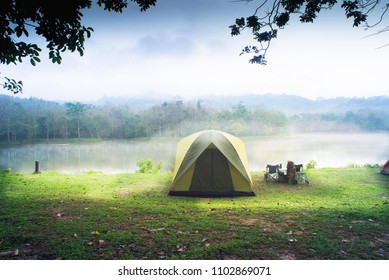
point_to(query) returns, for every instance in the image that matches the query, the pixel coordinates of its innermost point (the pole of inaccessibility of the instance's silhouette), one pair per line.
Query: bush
(148, 166)
(6, 171)
(374, 165)
(311, 164)
(91, 172)
(353, 165)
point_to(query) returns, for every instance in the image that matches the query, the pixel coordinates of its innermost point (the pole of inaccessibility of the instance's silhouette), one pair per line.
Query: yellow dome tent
(211, 163)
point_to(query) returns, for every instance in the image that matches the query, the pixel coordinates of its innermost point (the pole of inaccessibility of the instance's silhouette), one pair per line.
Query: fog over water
(328, 150)
(121, 156)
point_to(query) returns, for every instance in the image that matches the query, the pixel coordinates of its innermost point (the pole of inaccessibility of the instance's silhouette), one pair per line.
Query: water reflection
(121, 156)
(330, 149)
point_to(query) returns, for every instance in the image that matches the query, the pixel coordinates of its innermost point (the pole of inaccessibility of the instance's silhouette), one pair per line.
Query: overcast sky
(184, 48)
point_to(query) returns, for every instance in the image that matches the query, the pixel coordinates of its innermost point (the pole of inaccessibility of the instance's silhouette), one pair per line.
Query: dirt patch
(123, 193)
(243, 220)
(265, 224)
(384, 238)
(286, 256)
(376, 181)
(380, 244)
(67, 217)
(249, 221)
(60, 213)
(231, 257)
(122, 227)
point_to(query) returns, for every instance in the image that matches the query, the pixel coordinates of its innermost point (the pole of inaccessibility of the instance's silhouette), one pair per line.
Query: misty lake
(121, 156)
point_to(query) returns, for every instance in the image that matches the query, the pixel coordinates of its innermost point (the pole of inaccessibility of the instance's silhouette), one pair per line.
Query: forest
(28, 120)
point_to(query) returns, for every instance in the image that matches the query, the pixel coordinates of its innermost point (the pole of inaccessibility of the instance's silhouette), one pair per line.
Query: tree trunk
(78, 127)
(47, 129)
(8, 131)
(66, 129)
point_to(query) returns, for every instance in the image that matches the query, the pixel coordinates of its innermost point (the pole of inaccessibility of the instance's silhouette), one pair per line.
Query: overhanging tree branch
(12, 85)
(277, 14)
(58, 22)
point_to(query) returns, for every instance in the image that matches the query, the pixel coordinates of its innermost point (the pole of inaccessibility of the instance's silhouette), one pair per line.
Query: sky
(184, 49)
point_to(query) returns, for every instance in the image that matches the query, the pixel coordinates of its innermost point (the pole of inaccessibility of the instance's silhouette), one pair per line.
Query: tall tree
(77, 111)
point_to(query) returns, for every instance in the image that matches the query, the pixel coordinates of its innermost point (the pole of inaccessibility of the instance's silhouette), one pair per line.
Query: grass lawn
(341, 214)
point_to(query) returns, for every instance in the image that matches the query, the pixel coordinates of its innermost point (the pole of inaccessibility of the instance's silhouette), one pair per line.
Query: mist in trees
(36, 120)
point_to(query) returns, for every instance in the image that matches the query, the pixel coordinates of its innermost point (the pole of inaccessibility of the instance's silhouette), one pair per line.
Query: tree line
(34, 120)
(358, 120)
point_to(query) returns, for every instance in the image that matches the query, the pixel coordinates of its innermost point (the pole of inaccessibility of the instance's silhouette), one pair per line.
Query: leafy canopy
(59, 22)
(272, 15)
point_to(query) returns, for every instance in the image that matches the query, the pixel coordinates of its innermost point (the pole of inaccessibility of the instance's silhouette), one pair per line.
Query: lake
(121, 156)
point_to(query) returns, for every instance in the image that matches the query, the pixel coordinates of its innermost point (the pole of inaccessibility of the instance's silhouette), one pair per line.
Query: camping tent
(385, 169)
(211, 163)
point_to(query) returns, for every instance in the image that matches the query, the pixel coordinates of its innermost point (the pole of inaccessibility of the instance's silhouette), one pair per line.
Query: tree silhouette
(272, 15)
(59, 22)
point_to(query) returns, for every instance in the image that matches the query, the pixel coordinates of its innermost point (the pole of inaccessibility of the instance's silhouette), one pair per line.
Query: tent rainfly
(385, 169)
(211, 163)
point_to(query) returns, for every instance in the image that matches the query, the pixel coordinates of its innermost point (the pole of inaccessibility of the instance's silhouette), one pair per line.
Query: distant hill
(135, 102)
(292, 104)
(288, 104)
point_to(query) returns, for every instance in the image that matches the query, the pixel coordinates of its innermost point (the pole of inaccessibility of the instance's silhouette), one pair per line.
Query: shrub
(91, 172)
(148, 166)
(6, 171)
(374, 165)
(311, 164)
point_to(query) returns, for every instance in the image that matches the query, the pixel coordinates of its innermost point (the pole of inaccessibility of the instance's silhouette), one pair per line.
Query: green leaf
(32, 61)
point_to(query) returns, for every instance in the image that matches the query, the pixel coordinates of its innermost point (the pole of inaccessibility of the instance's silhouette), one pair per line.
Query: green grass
(341, 214)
